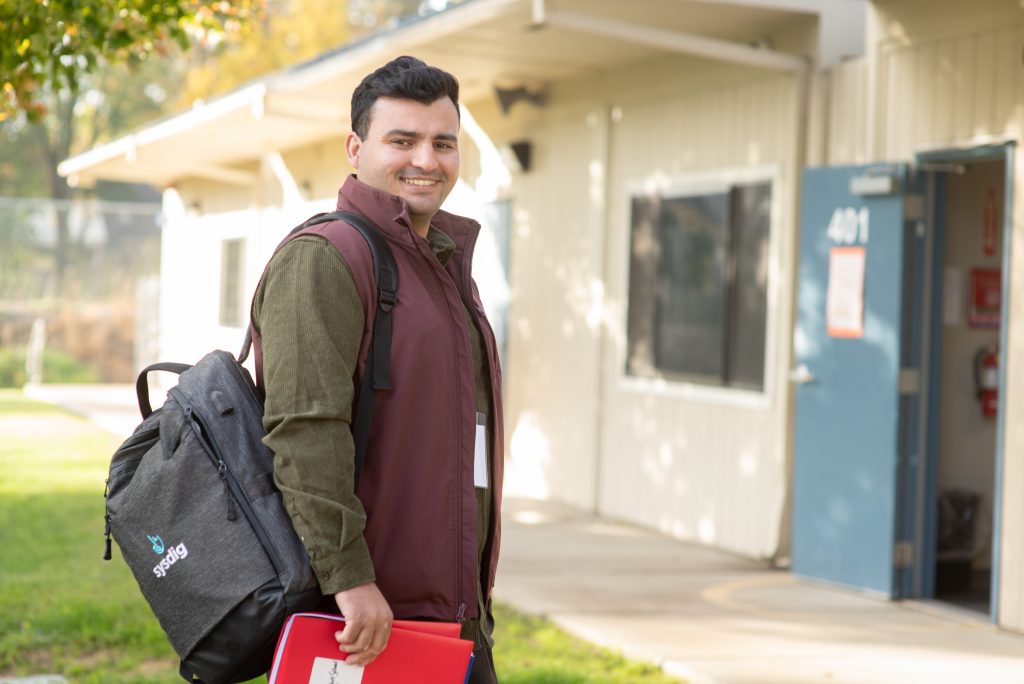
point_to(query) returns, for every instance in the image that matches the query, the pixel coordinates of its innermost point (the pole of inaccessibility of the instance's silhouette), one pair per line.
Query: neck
(421, 226)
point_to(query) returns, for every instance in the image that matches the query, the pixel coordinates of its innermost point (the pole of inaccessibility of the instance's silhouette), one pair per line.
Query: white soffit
(483, 42)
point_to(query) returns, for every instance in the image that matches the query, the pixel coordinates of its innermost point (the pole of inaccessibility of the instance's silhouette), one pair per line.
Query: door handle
(801, 375)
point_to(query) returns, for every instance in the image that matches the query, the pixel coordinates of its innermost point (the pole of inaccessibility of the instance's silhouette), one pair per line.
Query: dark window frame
(726, 306)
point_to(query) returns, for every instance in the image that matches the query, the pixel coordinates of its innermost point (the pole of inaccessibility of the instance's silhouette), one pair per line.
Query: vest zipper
(235, 494)
(460, 615)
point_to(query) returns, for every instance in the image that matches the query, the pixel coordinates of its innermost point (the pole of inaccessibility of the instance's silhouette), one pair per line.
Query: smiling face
(411, 150)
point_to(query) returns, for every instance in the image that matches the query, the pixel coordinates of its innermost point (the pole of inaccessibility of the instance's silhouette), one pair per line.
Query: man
(417, 537)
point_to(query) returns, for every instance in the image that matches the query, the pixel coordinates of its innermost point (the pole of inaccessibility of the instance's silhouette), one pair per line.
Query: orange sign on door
(844, 301)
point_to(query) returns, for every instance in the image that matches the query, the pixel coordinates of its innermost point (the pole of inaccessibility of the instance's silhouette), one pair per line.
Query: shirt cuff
(344, 569)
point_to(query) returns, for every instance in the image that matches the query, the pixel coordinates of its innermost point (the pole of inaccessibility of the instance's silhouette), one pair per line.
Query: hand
(367, 623)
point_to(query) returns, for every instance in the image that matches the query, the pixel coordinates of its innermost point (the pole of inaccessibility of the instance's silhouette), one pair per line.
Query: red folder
(417, 653)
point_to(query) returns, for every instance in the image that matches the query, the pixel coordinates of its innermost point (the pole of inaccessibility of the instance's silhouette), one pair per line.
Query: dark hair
(405, 78)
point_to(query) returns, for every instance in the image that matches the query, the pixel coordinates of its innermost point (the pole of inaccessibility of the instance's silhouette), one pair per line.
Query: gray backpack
(191, 503)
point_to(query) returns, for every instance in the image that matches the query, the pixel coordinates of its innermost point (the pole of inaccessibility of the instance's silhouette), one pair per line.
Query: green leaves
(56, 43)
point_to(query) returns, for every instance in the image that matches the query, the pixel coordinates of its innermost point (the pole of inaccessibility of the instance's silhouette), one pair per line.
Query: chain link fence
(84, 275)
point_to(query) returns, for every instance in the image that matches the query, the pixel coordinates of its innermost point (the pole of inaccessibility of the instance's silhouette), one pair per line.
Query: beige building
(639, 169)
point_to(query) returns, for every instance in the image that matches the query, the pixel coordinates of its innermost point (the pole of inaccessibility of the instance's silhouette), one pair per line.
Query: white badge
(480, 456)
(331, 671)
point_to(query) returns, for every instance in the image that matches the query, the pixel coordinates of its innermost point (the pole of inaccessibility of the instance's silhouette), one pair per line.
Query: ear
(352, 147)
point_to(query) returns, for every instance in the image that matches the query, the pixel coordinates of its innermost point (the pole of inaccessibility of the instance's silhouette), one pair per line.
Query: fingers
(363, 641)
(369, 643)
(367, 623)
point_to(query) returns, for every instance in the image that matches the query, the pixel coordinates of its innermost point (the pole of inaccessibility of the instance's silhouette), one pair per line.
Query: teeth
(418, 181)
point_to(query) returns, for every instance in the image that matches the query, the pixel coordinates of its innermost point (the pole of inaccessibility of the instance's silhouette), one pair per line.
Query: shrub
(58, 367)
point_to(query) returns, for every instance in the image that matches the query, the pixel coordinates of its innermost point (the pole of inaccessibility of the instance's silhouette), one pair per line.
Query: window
(231, 261)
(698, 286)
(491, 267)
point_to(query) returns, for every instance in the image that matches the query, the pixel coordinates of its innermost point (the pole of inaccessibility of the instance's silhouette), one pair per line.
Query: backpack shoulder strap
(385, 272)
(377, 375)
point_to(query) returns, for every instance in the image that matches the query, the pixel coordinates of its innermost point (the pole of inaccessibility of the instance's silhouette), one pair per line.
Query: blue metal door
(850, 323)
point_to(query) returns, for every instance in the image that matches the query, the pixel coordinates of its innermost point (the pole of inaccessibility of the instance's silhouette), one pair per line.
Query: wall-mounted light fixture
(520, 93)
(518, 155)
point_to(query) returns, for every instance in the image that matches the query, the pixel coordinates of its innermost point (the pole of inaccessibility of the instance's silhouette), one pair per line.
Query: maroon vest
(417, 480)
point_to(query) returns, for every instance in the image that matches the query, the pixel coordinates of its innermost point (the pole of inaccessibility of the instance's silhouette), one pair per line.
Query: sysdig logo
(157, 542)
(173, 556)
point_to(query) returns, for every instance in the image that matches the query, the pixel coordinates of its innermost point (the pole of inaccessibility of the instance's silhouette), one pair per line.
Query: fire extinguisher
(986, 379)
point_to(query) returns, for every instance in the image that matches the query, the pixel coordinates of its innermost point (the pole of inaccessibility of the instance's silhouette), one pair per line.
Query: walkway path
(713, 617)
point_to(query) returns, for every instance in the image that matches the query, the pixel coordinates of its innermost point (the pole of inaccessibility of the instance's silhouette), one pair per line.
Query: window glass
(645, 257)
(491, 268)
(698, 286)
(749, 306)
(231, 283)
(691, 293)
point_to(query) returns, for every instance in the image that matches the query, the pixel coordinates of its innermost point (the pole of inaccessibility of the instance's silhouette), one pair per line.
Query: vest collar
(391, 215)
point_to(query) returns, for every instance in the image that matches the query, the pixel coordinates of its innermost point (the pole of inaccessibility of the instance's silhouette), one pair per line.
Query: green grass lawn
(66, 611)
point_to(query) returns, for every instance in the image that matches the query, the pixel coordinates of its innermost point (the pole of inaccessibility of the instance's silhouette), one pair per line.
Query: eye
(402, 142)
(442, 145)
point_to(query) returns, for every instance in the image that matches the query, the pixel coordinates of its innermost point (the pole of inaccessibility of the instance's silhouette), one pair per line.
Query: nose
(425, 157)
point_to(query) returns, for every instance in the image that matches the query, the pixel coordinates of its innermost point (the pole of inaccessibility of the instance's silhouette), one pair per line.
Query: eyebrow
(414, 134)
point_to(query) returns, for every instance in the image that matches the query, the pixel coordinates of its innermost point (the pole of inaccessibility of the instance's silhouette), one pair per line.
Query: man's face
(411, 150)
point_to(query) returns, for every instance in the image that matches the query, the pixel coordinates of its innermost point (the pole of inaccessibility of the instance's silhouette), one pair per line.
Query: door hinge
(910, 381)
(913, 207)
(903, 554)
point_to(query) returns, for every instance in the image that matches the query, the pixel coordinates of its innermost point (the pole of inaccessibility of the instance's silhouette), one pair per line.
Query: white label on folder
(480, 457)
(331, 671)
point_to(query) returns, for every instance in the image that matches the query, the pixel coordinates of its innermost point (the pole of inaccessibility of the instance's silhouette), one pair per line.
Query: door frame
(923, 489)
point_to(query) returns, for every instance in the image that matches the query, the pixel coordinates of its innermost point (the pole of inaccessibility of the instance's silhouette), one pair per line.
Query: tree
(288, 32)
(292, 31)
(66, 53)
(51, 44)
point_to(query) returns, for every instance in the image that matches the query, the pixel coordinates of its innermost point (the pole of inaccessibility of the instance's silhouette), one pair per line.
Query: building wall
(846, 113)
(700, 463)
(552, 371)
(200, 215)
(948, 75)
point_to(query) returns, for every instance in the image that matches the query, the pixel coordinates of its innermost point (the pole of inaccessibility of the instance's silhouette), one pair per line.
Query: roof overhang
(483, 42)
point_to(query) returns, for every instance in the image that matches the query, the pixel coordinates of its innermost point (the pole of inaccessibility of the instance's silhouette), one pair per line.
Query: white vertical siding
(847, 113)
(551, 378)
(946, 91)
(702, 465)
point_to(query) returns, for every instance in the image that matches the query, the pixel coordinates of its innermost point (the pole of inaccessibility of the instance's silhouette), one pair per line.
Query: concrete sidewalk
(113, 407)
(701, 614)
(709, 616)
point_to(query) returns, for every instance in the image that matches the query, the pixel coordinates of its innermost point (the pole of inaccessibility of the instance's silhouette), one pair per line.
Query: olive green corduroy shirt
(311, 327)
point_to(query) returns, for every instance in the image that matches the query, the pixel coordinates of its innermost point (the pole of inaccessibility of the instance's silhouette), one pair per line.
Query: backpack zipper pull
(222, 471)
(460, 617)
(222, 468)
(106, 532)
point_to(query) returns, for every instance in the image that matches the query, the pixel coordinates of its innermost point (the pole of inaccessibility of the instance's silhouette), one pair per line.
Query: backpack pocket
(193, 555)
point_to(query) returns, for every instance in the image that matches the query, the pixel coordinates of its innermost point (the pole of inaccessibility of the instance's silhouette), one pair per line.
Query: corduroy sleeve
(311, 321)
